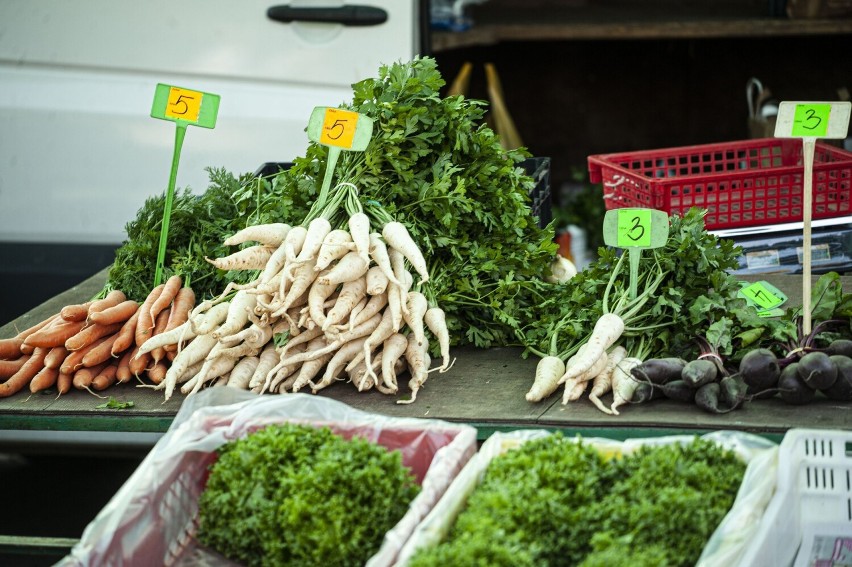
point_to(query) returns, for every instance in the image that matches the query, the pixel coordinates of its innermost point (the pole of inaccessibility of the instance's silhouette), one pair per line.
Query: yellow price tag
(184, 104)
(338, 128)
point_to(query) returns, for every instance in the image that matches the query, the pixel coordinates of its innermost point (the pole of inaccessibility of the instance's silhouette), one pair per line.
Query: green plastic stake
(338, 129)
(635, 230)
(184, 107)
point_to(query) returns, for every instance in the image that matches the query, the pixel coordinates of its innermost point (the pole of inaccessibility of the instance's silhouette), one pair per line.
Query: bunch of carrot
(329, 303)
(93, 345)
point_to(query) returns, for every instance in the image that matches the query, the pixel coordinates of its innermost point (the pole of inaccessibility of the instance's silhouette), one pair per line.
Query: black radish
(707, 397)
(678, 390)
(841, 390)
(840, 346)
(659, 370)
(760, 371)
(698, 372)
(817, 370)
(792, 388)
(733, 391)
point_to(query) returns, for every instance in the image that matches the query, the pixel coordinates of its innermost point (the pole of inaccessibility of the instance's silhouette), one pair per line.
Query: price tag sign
(809, 121)
(763, 295)
(635, 229)
(338, 128)
(184, 105)
(813, 120)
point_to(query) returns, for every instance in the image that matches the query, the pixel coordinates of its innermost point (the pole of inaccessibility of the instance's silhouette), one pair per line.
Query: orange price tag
(338, 128)
(184, 104)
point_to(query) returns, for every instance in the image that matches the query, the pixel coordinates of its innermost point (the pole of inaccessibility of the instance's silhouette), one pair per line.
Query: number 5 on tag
(184, 107)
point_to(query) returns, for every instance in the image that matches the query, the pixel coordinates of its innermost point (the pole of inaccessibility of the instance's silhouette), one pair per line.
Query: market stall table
(484, 388)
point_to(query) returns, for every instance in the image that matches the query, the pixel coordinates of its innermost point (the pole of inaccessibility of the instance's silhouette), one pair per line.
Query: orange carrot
(41, 324)
(138, 364)
(27, 349)
(100, 353)
(105, 378)
(159, 326)
(76, 312)
(170, 290)
(9, 367)
(83, 376)
(179, 313)
(115, 314)
(74, 360)
(55, 334)
(55, 357)
(10, 349)
(19, 380)
(157, 373)
(145, 323)
(126, 335)
(63, 383)
(45, 379)
(90, 334)
(112, 299)
(123, 373)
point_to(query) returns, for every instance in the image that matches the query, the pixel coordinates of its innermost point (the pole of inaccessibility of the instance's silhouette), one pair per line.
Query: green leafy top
(554, 501)
(432, 163)
(293, 494)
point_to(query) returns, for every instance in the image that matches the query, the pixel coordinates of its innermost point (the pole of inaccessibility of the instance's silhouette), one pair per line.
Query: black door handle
(346, 15)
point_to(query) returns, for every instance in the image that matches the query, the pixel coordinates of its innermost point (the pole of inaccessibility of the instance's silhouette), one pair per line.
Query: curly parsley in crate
(554, 501)
(298, 495)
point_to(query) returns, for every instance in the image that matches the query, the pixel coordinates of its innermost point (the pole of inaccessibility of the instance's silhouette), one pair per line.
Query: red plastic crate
(745, 183)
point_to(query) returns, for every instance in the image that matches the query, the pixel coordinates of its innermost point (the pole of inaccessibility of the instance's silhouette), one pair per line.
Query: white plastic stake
(809, 121)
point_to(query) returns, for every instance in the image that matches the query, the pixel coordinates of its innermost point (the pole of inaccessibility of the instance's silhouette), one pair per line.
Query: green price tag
(811, 120)
(767, 313)
(763, 295)
(185, 106)
(634, 228)
(339, 128)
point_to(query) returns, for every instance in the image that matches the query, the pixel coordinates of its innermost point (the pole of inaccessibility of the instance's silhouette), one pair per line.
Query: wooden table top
(484, 388)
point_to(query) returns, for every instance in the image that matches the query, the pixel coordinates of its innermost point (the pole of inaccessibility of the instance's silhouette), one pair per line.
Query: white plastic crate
(724, 547)
(812, 506)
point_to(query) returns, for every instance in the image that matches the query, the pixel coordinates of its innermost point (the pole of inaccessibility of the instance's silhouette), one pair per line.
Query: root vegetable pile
(330, 304)
(93, 345)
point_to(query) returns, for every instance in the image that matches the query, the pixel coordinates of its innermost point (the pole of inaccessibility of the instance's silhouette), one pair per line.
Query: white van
(79, 151)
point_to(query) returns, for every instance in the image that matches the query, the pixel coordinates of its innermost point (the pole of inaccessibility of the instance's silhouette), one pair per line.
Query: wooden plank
(491, 34)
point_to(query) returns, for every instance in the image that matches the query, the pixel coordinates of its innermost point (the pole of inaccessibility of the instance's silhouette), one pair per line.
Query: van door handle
(352, 15)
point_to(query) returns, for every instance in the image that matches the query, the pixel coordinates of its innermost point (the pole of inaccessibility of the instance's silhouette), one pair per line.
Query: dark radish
(645, 392)
(733, 391)
(678, 390)
(760, 371)
(792, 388)
(841, 390)
(659, 370)
(817, 370)
(839, 346)
(707, 397)
(696, 373)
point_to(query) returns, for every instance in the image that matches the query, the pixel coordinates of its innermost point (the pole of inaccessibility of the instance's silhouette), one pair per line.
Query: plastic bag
(152, 519)
(728, 541)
